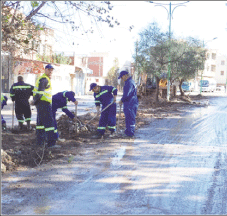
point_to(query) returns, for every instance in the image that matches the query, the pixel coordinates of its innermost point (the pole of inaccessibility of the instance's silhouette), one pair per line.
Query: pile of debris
(67, 126)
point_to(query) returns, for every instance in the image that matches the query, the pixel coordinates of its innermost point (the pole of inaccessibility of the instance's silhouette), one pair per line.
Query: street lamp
(170, 13)
(204, 63)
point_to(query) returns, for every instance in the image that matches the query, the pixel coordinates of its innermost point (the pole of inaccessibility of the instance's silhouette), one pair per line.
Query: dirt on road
(20, 152)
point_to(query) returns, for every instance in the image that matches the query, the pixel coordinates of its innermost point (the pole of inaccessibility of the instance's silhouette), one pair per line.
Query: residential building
(215, 66)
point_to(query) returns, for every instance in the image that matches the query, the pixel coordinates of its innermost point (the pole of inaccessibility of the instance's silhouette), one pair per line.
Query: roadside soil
(19, 151)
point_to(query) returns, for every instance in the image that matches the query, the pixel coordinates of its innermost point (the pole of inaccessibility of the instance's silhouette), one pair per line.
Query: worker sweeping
(20, 92)
(43, 101)
(59, 101)
(105, 95)
(3, 103)
(130, 101)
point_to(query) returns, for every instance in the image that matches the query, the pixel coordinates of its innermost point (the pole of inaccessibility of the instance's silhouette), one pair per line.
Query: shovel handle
(13, 116)
(76, 115)
(119, 116)
(100, 112)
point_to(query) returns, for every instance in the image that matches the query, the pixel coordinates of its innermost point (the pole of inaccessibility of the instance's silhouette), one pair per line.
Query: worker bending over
(3, 103)
(105, 95)
(130, 101)
(20, 92)
(60, 100)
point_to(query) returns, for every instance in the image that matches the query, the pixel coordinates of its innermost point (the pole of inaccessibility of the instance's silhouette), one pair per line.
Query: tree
(113, 74)
(191, 59)
(22, 20)
(55, 58)
(152, 53)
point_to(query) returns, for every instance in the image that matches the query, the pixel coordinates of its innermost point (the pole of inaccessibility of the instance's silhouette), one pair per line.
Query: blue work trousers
(130, 119)
(3, 121)
(45, 125)
(23, 111)
(108, 117)
(55, 124)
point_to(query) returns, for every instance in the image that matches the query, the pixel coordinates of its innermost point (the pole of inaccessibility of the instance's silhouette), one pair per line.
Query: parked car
(208, 85)
(188, 86)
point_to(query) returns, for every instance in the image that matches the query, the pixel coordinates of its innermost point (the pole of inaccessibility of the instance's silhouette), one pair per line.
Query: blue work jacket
(129, 97)
(60, 100)
(105, 96)
(21, 92)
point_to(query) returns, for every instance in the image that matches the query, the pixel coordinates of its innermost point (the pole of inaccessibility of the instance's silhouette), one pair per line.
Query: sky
(204, 20)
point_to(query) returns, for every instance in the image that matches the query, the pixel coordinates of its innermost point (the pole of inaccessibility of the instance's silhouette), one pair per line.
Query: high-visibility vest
(2, 98)
(47, 93)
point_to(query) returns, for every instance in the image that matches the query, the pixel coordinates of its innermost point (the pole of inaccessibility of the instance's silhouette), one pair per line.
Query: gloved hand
(32, 102)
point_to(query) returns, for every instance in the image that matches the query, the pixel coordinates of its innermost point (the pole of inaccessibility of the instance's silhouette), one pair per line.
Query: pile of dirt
(19, 150)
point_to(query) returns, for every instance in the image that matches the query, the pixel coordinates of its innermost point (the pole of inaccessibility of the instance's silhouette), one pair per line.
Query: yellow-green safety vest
(47, 93)
(2, 98)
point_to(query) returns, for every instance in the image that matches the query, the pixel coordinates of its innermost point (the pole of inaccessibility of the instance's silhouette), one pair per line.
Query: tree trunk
(157, 89)
(181, 91)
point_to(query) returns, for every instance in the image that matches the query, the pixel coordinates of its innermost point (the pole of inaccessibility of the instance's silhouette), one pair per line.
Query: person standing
(130, 101)
(42, 96)
(3, 103)
(20, 92)
(105, 95)
(60, 100)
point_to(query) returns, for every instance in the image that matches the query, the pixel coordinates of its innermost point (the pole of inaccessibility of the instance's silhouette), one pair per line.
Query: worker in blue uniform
(20, 92)
(130, 101)
(3, 103)
(104, 95)
(43, 101)
(60, 100)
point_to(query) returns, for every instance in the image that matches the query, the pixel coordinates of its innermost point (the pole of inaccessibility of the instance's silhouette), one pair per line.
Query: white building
(215, 67)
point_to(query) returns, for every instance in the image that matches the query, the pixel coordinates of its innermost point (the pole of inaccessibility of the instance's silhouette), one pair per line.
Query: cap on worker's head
(49, 66)
(92, 86)
(122, 73)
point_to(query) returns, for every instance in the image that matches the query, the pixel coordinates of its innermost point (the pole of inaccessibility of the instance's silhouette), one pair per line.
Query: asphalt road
(174, 166)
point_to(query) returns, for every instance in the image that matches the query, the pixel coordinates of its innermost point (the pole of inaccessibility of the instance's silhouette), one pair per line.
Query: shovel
(13, 116)
(118, 122)
(76, 116)
(98, 113)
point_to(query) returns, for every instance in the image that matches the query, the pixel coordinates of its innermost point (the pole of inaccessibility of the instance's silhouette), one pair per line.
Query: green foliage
(34, 4)
(56, 58)
(112, 75)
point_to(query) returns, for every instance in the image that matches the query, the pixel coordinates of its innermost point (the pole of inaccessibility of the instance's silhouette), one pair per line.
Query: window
(222, 62)
(214, 56)
(213, 68)
(208, 68)
(208, 55)
(222, 73)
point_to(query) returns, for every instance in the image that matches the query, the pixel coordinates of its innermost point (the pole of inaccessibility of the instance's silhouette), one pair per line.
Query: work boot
(113, 134)
(3, 126)
(98, 136)
(21, 125)
(28, 125)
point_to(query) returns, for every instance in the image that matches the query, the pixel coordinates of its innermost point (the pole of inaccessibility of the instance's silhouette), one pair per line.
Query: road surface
(174, 166)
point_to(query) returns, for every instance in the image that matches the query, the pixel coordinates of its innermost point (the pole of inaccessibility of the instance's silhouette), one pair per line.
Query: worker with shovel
(59, 101)
(3, 103)
(20, 92)
(105, 95)
(130, 101)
